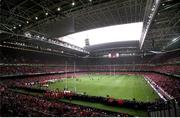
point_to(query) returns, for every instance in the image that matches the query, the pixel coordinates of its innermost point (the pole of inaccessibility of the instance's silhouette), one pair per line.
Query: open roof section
(115, 33)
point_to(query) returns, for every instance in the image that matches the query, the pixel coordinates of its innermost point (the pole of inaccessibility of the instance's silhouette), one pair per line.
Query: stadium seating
(27, 105)
(168, 84)
(27, 69)
(173, 69)
(18, 66)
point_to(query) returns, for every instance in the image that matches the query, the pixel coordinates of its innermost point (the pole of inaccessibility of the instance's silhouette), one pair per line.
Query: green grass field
(117, 86)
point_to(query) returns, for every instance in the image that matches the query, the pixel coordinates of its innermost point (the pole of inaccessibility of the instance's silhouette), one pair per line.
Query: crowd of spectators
(18, 104)
(36, 69)
(9, 108)
(172, 69)
(167, 63)
(133, 104)
(29, 80)
(167, 83)
(26, 105)
(15, 63)
(18, 70)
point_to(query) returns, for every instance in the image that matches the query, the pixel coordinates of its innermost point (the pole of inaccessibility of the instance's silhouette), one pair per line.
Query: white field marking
(152, 83)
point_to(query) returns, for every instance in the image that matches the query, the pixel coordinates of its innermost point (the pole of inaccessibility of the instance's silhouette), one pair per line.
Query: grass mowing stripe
(106, 107)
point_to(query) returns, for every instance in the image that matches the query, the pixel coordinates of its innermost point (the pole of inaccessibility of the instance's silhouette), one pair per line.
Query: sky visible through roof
(115, 33)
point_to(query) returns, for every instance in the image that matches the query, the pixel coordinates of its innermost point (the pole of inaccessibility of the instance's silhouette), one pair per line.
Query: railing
(169, 108)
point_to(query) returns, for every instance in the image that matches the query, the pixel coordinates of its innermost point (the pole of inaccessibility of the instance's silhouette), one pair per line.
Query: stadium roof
(161, 24)
(115, 33)
(165, 26)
